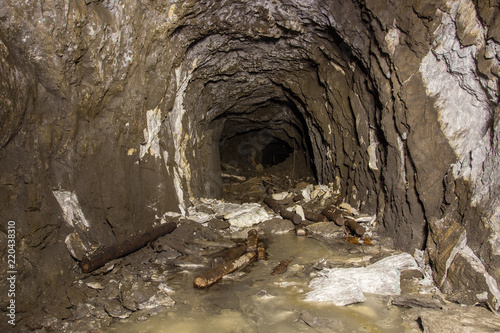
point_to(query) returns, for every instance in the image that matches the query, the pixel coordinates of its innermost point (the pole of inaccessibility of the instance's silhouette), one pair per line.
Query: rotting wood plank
(100, 257)
(211, 276)
(278, 209)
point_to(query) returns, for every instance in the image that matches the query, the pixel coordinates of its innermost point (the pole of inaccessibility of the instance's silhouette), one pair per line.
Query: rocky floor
(152, 288)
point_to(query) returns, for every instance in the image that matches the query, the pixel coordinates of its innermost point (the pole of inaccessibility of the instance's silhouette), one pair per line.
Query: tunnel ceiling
(279, 68)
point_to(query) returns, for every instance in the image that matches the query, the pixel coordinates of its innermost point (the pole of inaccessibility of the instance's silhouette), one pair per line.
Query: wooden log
(241, 178)
(278, 209)
(355, 227)
(299, 230)
(180, 246)
(101, 257)
(226, 244)
(213, 275)
(334, 215)
(273, 204)
(294, 217)
(261, 252)
(282, 266)
(315, 217)
(252, 240)
(298, 197)
(226, 255)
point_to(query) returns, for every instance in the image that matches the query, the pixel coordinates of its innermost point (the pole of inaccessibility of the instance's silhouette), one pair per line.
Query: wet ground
(151, 290)
(255, 301)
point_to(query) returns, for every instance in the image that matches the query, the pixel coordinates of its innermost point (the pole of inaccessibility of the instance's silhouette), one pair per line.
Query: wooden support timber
(252, 240)
(315, 217)
(102, 256)
(282, 266)
(208, 278)
(261, 252)
(355, 226)
(334, 215)
(278, 209)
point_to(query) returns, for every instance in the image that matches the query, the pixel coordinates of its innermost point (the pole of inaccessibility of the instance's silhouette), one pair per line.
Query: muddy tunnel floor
(335, 275)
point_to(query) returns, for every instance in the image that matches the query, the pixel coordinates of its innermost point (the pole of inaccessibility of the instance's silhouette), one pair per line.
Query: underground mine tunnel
(118, 115)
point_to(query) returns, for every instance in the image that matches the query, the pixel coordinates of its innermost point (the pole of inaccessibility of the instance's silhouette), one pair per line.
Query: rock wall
(112, 113)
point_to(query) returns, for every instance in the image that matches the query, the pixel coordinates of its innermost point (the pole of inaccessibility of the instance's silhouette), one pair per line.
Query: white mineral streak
(344, 286)
(72, 212)
(402, 161)
(152, 141)
(238, 216)
(392, 38)
(478, 266)
(182, 169)
(449, 73)
(372, 151)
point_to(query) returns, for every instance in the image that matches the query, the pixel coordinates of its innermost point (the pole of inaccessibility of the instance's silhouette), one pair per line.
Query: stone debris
(210, 237)
(325, 229)
(453, 318)
(238, 215)
(94, 285)
(344, 286)
(115, 309)
(322, 324)
(75, 246)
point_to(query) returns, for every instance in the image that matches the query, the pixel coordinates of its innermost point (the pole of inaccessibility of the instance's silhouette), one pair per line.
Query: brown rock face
(114, 112)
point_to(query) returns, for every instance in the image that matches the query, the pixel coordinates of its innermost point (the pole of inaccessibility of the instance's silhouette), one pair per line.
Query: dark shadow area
(275, 152)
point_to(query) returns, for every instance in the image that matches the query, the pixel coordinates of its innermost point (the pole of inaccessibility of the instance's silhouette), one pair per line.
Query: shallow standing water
(259, 302)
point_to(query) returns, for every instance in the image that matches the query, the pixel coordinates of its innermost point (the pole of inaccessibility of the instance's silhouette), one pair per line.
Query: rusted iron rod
(102, 256)
(208, 278)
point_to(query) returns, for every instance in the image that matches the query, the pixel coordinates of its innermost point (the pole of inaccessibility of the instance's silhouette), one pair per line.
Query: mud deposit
(255, 301)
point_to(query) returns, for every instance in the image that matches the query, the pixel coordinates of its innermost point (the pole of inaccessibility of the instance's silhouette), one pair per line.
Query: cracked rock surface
(112, 113)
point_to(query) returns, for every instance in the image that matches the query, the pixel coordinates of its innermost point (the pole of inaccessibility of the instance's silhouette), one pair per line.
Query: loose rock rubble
(140, 285)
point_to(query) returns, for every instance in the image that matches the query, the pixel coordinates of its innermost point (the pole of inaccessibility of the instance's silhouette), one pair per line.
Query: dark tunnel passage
(275, 152)
(270, 135)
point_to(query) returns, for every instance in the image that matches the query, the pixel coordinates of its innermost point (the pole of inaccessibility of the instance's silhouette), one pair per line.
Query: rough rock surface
(113, 112)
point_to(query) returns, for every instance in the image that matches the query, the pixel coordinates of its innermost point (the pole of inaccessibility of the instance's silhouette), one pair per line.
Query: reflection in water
(259, 302)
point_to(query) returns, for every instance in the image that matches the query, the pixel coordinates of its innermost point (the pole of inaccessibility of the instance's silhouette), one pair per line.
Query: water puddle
(256, 301)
